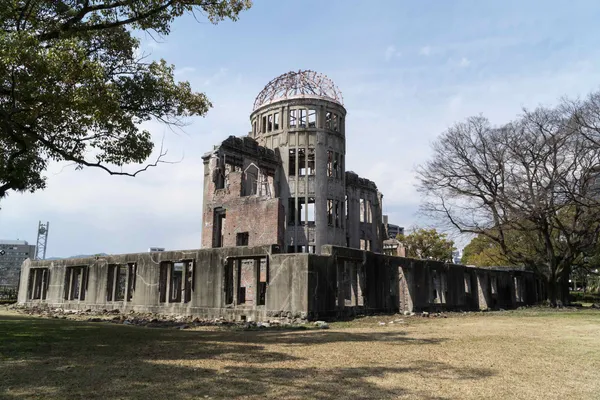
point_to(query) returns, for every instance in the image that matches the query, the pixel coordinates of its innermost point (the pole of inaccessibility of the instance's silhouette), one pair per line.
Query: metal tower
(42, 240)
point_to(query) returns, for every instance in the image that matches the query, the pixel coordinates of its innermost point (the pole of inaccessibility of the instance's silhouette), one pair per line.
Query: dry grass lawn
(505, 355)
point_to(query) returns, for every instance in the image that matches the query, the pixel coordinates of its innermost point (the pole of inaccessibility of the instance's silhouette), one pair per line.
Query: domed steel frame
(297, 84)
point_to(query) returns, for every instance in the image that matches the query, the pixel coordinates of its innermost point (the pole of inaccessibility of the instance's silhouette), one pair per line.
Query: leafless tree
(528, 185)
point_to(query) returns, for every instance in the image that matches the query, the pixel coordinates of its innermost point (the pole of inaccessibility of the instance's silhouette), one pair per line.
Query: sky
(407, 71)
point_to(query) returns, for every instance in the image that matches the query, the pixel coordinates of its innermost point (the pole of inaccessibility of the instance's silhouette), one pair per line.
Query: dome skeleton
(298, 84)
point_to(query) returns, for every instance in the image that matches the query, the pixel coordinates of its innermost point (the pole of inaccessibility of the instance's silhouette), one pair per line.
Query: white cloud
(184, 71)
(464, 62)
(425, 51)
(391, 52)
(216, 77)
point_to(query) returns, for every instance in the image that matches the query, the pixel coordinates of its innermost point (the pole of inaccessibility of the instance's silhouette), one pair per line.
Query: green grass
(521, 354)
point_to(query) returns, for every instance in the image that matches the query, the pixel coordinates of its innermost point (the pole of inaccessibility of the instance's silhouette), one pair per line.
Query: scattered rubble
(151, 320)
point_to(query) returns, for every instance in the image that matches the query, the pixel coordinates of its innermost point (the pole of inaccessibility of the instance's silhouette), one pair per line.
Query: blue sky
(407, 70)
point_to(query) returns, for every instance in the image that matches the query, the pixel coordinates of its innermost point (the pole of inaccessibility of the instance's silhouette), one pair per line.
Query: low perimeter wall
(259, 283)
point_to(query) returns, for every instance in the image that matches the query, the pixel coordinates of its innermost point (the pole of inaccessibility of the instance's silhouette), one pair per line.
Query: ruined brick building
(287, 232)
(286, 182)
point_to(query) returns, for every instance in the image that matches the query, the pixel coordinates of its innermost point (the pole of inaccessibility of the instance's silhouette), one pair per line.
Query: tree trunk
(558, 287)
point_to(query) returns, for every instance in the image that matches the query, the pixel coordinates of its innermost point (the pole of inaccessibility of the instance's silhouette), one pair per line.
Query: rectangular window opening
(306, 211)
(176, 281)
(263, 278)
(293, 118)
(264, 124)
(292, 162)
(241, 239)
(76, 282)
(337, 213)
(292, 211)
(276, 121)
(303, 115)
(328, 117)
(269, 122)
(362, 210)
(329, 163)
(336, 165)
(312, 118)
(334, 123)
(310, 162)
(229, 282)
(329, 212)
(218, 226)
(302, 162)
(38, 283)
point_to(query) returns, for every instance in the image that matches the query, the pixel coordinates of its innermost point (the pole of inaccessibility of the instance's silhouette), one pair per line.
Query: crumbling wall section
(241, 205)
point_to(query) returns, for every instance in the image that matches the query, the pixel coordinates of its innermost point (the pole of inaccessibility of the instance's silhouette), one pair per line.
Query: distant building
(12, 255)
(392, 231)
(457, 256)
(393, 247)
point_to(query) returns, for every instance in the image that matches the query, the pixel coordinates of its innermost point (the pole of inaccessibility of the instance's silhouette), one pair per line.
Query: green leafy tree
(73, 86)
(483, 252)
(428, 244)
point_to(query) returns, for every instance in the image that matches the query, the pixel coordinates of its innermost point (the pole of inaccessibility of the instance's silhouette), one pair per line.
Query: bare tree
(529, 186)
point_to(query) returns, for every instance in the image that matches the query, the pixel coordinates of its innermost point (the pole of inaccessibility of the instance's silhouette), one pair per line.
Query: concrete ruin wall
(258, 283)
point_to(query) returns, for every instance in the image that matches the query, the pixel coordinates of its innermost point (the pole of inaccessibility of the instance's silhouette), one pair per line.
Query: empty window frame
(293, 118)
(76, 282)
(329, 163)
(346, 204)
(292, 162)
(254, 128)
(311, 248)
(241, 239)
(312, 118)
(335, 123)
(219, 218)
(176, 281)
(328, 118)
(302, 171)
(310, 162)
(250, 180)
(292, 212)
(228, 282)
(306, 210)
(362, 210)
(276, 121)
(263, 278)
(116, 283)
(329, 212)
(336, 212)
(264, 124)
(37, 287)
(302, 113)
(336, 165)
(121, 282)
(467, 284)
(369, 215)
(269, 122)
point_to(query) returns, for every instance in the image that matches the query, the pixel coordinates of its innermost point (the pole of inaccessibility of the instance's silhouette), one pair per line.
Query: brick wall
(261, 217)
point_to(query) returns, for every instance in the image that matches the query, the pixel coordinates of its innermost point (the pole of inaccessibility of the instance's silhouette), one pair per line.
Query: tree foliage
(483, 252)
(427, 244)
(530, 186)
(74, 87)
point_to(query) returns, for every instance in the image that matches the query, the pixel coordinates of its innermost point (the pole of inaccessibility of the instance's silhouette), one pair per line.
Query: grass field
(505, 355)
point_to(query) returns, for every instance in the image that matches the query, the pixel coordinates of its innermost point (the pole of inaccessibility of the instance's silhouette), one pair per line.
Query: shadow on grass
(46, 358)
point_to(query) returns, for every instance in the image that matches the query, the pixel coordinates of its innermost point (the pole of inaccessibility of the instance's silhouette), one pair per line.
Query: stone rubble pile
(151, 320)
